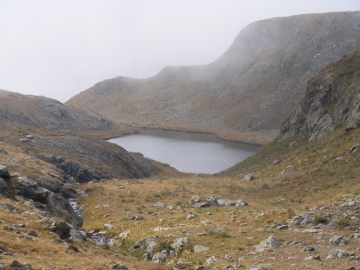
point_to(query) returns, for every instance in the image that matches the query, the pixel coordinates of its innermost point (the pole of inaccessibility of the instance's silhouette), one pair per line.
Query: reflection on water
(187, 152)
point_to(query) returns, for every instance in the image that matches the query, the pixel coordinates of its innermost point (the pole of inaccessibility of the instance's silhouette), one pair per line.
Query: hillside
(43, 112)
(300, 211)
(253, 86)
(331, 100)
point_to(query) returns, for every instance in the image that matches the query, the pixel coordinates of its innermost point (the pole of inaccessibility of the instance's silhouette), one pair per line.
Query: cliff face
(332, 100)
(253, 86)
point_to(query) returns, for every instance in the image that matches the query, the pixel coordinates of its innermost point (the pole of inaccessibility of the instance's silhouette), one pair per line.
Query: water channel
(187, 152)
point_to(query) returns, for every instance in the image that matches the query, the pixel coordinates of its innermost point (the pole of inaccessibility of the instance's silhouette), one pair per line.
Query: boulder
(4, 171)
(339, 240)
(160, 257)
(62, 229)
(268, 243)
(179, 243)
(200, 249)
(249, 177)
(3, 185)
(338, 253)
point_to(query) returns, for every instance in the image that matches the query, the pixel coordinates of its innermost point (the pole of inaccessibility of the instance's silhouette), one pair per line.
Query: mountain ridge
(253, 86)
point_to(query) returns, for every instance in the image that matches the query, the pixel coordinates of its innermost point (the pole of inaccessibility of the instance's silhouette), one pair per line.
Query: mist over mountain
(253, 86)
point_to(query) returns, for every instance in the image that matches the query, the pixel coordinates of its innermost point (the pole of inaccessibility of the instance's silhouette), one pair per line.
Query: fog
(58, 48)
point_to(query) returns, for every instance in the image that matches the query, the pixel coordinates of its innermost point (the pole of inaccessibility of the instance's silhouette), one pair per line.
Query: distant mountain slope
(332, 100)
(42, 112)
(253, 86)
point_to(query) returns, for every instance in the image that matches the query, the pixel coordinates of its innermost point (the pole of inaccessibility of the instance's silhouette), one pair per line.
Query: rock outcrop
(332, 100)
(253, 86)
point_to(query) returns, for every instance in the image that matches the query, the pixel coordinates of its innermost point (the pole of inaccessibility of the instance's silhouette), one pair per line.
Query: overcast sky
(57, 48)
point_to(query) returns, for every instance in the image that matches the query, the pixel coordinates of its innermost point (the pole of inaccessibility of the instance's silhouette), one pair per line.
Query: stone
(308, 249)
(108, 227)
(240, 203)
(339, 240)
(249, 177)
(264, 187)
(276, 161)
(62, 229)
(117, 266)
(30, 136)
(32, 233)
(16, 263)
(124, 234)
(4, 171)
(282, 227)
(138, 217)
(179, 243)
(268, 243)
(160, 204)
(143, 242)
(3, 185)
(317, 258)
(301, 220)
(191, 216)
(160, 257)
(338, 253)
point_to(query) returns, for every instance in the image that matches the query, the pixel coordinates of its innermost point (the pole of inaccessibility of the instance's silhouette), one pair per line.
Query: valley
(71, 200)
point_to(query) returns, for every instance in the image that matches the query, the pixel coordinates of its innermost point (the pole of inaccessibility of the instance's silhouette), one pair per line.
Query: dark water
(187, 152)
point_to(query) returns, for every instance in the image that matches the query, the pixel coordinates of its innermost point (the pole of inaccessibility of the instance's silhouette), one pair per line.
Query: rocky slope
(253, 86)
(42, 112)
(332, 99)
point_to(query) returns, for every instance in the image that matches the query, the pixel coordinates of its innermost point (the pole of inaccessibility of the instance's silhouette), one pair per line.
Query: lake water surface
(187, 152)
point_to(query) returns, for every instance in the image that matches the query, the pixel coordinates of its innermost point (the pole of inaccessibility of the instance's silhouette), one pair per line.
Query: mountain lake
(187, 152)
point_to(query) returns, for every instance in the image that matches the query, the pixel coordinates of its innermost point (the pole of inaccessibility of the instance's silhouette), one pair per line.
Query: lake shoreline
(255, 138)
(189, 152)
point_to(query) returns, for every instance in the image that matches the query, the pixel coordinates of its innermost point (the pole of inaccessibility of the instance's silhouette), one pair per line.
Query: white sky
(57, 48)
